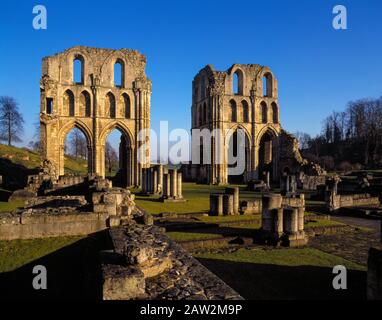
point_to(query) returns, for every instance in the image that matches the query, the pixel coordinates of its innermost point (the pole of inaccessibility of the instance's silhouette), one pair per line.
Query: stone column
(279, 221)
(269, 202)
(160, 178)
(235, 192)
(301, 218)
(144, 187)
(227, 204)
(155, 181)
(173, 181)
(294, 220)
(166, 185)
(216, 204)
(179, 185)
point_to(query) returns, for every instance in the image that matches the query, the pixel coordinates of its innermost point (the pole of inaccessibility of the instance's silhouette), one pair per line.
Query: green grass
(27, 158)
(31, 159)
(198, 199)
(14, 254)
(227, 219)
(188, 236)
(322, 223)
(283, 257)
(10, 206)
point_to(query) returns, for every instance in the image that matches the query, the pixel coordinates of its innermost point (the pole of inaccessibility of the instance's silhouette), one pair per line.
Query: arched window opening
(233, 111)
(238, 150)
(264, 112)
(85, 107)
(118, 158)
(110, 107)
(275, 113)
(267, 85)
(127, 105)
(245, 111)
(78, 70)
(76, 148)
(119, 74)
(68, 104)
(237, 82)
(49, 105)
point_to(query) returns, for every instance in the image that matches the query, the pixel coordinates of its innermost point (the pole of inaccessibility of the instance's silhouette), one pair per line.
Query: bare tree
(303, 139)
(11, 120)
(77, 144)
(111, 157)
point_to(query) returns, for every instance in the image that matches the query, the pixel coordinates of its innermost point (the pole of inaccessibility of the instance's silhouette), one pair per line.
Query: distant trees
(11, 120)
(77, 145)
(352, 138)
(111, 157)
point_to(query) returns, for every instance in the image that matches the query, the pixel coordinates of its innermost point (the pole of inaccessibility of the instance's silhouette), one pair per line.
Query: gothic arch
(238, 88)
(63, 133)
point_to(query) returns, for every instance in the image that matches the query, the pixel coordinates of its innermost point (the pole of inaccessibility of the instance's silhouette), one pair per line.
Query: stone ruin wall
(95, 105)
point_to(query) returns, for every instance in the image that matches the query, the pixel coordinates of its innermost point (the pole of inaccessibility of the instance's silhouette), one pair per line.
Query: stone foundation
(172, 186)
(146, 264)
(283, 220)
(53, 216)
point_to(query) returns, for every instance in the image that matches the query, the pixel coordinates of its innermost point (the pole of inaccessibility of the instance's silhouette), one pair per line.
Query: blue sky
(318, 68)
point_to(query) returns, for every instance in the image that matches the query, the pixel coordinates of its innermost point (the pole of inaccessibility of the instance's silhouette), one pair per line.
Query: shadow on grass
(73, 273)
(272, 282)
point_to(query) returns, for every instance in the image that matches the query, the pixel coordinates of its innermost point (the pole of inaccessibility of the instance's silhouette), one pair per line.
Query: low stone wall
(31, 224)
(335, 202)
(146, 264)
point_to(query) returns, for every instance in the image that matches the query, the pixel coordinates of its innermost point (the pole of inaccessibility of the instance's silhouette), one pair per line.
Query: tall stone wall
(96, 103)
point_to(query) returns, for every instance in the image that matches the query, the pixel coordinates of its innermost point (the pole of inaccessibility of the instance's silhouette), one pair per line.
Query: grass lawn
(10, 206)
(322, 223)
(272, 274)
(227, 219)
(187, 236)
(197, 195)
(14, 254)
(284, 257)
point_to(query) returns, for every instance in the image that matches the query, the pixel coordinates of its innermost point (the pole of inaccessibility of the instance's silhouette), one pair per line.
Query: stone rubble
(144, 254)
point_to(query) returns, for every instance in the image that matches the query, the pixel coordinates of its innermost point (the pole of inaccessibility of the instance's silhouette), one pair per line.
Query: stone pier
(152, 180)
(216, 205)
(283, 220)
(226, 203)
(172, 186)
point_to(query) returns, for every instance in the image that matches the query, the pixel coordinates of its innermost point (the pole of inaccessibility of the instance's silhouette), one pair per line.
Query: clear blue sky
(318, 68)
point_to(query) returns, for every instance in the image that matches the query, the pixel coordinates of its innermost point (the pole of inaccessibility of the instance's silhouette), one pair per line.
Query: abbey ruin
(96, 104)
(274, 192)
(245, 97)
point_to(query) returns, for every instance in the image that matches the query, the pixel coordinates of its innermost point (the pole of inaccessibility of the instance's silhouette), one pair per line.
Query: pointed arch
(238, 82)
(78, 69)
(110, 105)
(126, 105)
(267, 84)
(245, 110)
(119, 73)
(264, 112)
(275, 113)
(233, 111)
(85, 104)
(68, 103)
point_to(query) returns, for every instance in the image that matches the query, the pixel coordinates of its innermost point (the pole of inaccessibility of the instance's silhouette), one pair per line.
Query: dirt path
(351, 245)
